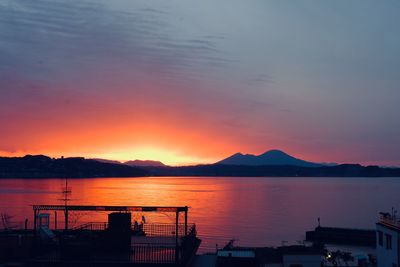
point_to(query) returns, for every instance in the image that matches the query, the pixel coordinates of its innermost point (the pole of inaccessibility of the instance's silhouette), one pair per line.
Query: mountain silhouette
(133, 163)
(272, 158)
(107, 161)
(41, 166)
(144, 163)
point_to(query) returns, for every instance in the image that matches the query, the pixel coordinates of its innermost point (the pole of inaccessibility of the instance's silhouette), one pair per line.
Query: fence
(154, 230)
(153, 253)
(155, 245)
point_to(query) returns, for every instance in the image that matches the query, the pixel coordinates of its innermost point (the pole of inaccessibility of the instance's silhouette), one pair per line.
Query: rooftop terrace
(390, 220)
(105, 243)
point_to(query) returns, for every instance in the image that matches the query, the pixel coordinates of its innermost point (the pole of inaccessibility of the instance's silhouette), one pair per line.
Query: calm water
(255, 211)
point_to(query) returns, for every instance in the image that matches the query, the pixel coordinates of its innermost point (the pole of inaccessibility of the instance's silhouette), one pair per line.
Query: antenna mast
(66, 193)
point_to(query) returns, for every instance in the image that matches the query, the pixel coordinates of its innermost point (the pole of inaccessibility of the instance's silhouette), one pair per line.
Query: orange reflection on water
(257, 211)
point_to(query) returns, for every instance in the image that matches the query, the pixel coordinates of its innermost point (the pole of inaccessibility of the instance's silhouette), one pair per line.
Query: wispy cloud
(51, 39)
(229, 75)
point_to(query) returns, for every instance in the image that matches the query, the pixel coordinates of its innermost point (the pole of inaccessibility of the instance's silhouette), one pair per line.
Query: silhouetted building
(388, 240)
(286, 256)
(116, 242)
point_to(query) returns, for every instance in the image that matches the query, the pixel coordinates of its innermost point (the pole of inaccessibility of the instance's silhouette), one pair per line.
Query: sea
(251, 211)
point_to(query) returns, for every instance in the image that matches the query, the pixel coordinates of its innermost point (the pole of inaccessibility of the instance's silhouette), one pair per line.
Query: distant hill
(134, 163)
(220, 170)
(107, 161)
(271, 158)
(144, 163)
(44, 167)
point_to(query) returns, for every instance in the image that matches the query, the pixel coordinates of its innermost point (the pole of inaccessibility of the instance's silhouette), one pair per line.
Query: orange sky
(162, 123)
(186, 84)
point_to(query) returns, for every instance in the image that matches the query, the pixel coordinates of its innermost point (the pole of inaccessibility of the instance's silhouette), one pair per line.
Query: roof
(265, 255)
(111, 208)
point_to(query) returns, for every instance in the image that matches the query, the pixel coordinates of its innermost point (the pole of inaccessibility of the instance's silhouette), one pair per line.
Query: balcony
(116, 242)
(389, 220)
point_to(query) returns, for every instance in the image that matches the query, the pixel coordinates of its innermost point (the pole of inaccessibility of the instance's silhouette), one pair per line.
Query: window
(380, 238)
(388, 241)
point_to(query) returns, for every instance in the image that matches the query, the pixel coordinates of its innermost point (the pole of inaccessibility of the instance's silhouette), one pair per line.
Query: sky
(190, 82)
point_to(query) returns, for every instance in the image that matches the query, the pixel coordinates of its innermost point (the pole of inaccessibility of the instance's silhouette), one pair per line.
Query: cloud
(228, 76)
(56, 39)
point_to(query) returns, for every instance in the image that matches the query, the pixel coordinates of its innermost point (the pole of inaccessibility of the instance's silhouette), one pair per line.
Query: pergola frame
(67, 208)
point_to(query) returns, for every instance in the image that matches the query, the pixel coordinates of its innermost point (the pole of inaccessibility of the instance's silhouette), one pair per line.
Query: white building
(388, 240)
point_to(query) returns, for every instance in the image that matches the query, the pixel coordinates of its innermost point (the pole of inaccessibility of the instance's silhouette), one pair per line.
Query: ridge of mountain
(270, 158)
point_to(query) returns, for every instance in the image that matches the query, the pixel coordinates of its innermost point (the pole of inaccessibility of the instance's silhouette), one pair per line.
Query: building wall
(303, 260)
(387, 257)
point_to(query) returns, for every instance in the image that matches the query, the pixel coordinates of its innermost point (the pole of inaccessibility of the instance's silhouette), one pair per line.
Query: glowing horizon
(165, 157)
(174, 82)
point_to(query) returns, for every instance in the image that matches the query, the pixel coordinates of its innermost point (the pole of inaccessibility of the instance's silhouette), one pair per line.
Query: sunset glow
(199, 133)
(142, 80)
(167, 156)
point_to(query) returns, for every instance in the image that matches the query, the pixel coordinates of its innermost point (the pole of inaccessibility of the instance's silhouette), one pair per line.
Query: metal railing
(92, 226)
(389, 219)
(153, 253)
(154, 230)
(166, 230)
(154, 250)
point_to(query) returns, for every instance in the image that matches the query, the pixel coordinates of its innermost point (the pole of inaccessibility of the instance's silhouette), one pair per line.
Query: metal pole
(66, 218)
(55, 220)
(186, 221)
(176, 237)
(34, 219)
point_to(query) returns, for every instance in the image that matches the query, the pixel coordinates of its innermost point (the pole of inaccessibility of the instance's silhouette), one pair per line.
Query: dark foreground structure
(117, 242)
(297, 255)
(342, 236)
